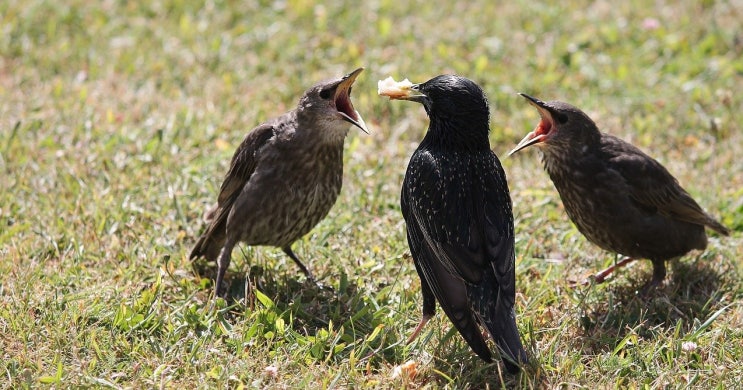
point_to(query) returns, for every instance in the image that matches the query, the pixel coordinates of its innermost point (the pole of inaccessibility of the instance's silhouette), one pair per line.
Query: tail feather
(502, 327)
(207, 247)
(718, 227)
(452, 294)
(470, 331)
(210, 244)
(498, 316)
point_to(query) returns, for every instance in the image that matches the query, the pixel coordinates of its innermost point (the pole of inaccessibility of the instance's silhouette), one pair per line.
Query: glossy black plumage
(619, 198)
(284, 177)
(457, 208)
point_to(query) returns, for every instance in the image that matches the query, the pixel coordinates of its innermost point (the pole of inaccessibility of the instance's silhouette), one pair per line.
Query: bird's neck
(312, 130)
(453, 135)
(561, 162)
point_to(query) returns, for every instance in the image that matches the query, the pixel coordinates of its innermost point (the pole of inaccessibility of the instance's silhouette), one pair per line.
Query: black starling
(284, 177)
(457, 209)
(619, 198)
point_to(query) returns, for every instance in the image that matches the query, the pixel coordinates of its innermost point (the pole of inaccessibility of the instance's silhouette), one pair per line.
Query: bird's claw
(592, 279)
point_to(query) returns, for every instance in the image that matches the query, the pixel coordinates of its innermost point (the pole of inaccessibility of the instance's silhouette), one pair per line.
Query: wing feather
(654, 188)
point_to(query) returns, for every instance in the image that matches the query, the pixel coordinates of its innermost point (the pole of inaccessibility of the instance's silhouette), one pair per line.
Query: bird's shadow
(455, 365)
(313, 305)
(693, 292)
(462, 362)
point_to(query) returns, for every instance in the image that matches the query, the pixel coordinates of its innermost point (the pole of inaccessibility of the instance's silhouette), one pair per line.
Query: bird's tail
(502, 327)
(207, 247)
(718, 227)
(210, 243)
(496, 312)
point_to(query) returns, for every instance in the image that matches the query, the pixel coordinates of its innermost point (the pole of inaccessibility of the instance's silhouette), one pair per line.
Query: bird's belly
(291, 209)
(615, 224)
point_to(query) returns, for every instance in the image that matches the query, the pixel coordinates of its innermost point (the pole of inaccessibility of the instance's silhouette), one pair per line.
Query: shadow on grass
(455, 365)
(312, 305)
(333, 307)
(466, 370)
(692, 291)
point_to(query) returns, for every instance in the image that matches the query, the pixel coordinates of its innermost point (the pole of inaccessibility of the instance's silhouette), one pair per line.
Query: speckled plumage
(284, 177)
(457, 208)
(619, 198)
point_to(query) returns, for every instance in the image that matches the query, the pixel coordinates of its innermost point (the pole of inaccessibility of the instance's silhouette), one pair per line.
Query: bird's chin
(529, 140)
(357, 120)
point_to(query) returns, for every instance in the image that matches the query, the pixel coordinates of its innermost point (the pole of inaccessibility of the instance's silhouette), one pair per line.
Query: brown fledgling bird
(284, 177)
(457, 209)
(620, 198)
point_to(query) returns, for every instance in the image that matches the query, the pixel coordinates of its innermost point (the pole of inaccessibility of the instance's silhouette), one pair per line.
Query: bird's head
(447, 96)
(329, 103)
(561, 124)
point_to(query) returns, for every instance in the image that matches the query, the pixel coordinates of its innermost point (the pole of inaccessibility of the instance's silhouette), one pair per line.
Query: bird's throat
(460, 136)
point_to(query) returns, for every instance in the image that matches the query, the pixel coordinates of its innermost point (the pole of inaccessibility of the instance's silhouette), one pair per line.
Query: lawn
(118, 120)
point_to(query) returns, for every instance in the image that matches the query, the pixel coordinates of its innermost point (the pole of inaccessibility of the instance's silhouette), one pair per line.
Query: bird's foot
(575, 284)
(649, 287)
(601, 276)
(589, 280)
(646, 290)
(311, 279)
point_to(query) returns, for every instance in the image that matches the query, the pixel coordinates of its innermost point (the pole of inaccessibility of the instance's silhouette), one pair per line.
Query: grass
(118, 120)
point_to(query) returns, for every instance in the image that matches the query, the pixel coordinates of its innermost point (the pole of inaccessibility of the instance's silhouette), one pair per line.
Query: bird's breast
(304, 186)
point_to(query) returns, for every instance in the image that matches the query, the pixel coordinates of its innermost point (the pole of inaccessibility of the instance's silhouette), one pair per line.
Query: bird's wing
(469, 229)
(241, 168)
(460, 237)
(448, 288)
(654, 188)
(243, 163)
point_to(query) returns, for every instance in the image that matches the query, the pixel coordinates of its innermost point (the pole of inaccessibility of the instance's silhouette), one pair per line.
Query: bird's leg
(419, 328)
(249, 296)
(222, 263)
(288, 250)
(429, 308)
(601, 276)
(659, 273)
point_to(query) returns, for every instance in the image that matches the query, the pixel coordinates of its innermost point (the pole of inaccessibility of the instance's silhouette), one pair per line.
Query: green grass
(118, 120)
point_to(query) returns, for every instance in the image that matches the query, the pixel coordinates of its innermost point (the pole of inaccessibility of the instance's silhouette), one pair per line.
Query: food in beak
(394, 89)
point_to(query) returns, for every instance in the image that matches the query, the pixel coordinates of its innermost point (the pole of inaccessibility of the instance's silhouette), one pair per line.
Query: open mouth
(543, 129)
(342, 100)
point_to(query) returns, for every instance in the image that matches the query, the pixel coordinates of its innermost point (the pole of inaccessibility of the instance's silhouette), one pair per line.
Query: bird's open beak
(343, 100)
(539, 134)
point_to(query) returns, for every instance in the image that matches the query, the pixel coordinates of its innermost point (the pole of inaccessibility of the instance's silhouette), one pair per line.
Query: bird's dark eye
(561, 118)
(326, 93)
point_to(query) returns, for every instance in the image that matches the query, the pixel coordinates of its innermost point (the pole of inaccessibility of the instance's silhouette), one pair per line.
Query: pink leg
(601, 276)
(418, 328)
